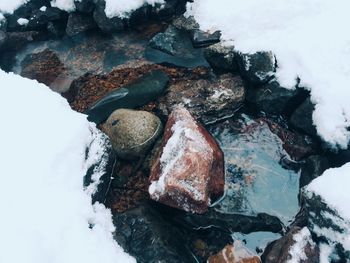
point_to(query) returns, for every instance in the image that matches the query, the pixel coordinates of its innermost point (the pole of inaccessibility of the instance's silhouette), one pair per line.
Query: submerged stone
(79, 23)
(189, 170)
(132, 132)
(144, 90)
(255, 180)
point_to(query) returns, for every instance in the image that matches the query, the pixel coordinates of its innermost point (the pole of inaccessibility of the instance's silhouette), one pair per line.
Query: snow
(122, 8)
(8, 6)
(43, 8)
(309, 40)
(66, 5)
(23, 21)
(297, 251)
(46, 214)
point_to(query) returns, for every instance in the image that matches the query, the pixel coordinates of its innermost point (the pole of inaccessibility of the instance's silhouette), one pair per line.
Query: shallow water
(255, 180)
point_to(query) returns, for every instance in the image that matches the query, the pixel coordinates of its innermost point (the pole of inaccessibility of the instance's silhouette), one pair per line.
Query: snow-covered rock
(46, 151)
(190, 167)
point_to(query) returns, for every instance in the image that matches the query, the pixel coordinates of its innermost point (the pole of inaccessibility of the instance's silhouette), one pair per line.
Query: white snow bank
(46, 216)
(8, 6)
(66, 5)
(297, 251)
(121, 8)
(310, 41)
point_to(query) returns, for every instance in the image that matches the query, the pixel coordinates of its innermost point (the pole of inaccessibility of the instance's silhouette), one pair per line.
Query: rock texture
(207, 100)
(295, 246)
(302, 118)
(234, 254)
(132, 132)
(190, 168)
(221, 58)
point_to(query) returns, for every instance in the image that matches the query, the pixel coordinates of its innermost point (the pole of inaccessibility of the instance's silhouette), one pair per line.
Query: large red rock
(234, 254)
(189, 170)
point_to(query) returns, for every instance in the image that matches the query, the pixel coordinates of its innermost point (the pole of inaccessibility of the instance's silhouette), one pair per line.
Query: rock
(84, 6)
(221, 58)
(272, 98)
(17, 40)
(313, 167)
(39, 19)
(107, 25)
(207, 100)
(189, 170)
(3, 38)
(3, 23)
(201, 39)
(45, 67)
(144, 234)
(139, 16)
(56, 29)
(291, 247)
(168, 10)
(302, 118)
(236, 253)
(257, 68)
(185, 23)
(132, 132)
(79, 23)
(144, 90)
(174, 46)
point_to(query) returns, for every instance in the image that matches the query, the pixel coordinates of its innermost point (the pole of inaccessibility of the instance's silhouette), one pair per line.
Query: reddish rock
(234, 254)
(189, 170)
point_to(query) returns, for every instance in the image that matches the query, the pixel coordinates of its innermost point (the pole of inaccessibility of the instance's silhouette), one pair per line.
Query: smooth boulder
(132, 132)
(189, 170)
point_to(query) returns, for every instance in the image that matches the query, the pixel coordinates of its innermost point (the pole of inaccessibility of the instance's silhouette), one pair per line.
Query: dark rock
(139, 16)
(108, 25)
(279, 251)
(17, 40)
(45, 67)
(201, 39)
(302, 118)
(3, 38)
(3, 23)
(79, 23)
(257, 68)
(313, 167)
(39, 19)
(207, 100)
(56, 29)
(271, 97)
(146, 89)
(174, 46)
(221, 58)
(84, 6)
(185, 23)
(234, 254)
(169, 10)
(132, 132)
(144, 234)
(189, 170)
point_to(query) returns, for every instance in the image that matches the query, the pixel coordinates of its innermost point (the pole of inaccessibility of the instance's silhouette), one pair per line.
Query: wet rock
(313, 167)
(207, 100)
(201, 39)
(221, 58)
(132, 132)
(190, 168)
(139, 16)
(302, 118)
(84, 6)
(56, 29)
(79, 23)
(145, 235)
(185, 23)
(3, 24)
(17, 40)
(45, 67)
(236, 253)
(108, 25)
(174, 46)
(144, 90)
(295, 246)
(39, 19)
(3, 38)
(169, 10)
(272, 98)
(257, 68)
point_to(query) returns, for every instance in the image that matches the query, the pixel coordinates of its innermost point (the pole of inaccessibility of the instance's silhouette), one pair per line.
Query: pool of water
(255, 180)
